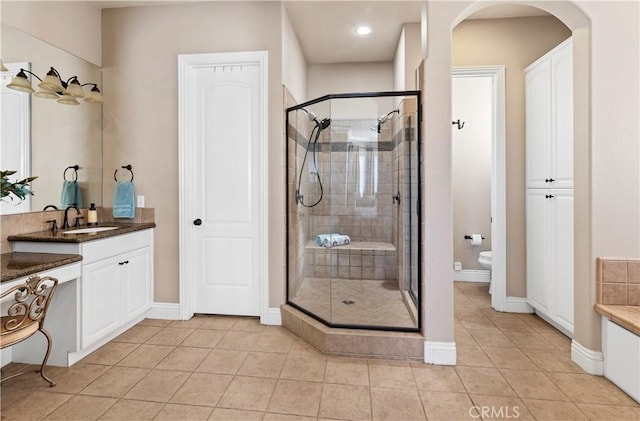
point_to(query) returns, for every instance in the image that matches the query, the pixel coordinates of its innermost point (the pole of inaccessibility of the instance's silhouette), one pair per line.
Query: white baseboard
(518, 305)
(167, 311)
(440, 353)
(468, 275)
(590, 361)
(273, 317)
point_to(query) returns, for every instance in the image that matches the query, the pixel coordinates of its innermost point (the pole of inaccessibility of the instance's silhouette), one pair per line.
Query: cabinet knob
(549, 196)
(197, 221)
(121, 263)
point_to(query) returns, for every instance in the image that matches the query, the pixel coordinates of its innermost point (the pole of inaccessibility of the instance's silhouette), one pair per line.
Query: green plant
(20, 188)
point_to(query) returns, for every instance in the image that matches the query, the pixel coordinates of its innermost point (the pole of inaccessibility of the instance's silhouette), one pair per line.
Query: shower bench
(363, 260)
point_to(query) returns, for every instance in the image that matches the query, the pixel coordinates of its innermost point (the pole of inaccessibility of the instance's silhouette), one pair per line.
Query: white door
(562, 75)
(562, 205)
(224, 199)
(101, 298)
(538, 124)
(539, 275)
(136, 283)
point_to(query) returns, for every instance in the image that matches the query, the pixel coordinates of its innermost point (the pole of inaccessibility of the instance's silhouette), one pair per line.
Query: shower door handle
(197, 221)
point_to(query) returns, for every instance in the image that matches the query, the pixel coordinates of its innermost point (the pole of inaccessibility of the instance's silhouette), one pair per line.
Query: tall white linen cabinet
(549, 178)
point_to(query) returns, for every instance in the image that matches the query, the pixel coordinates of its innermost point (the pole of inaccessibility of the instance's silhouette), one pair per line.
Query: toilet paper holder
(468, 237)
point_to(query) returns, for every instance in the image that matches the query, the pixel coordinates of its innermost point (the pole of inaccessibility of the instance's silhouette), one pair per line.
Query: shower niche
(353, 200)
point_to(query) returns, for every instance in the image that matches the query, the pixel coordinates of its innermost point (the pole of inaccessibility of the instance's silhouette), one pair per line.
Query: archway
(578, 23)
(441, 18)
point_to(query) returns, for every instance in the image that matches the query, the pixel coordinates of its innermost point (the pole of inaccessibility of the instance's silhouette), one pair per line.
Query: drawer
(108, 247)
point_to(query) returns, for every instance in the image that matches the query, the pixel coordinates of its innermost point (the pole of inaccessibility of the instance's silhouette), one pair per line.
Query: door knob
(197, 221)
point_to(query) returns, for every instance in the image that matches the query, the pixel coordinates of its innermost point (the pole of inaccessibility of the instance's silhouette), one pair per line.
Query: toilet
(485, 259)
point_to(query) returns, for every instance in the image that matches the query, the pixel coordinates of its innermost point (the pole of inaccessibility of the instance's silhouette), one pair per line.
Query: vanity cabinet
(115, 291)
(116, 283)
(115, 288)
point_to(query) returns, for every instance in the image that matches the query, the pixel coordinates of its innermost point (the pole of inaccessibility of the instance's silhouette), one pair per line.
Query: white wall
(141, 118)
(294, 63)
(325, 79)
(339, 78)
(73, 26)
(399, 64)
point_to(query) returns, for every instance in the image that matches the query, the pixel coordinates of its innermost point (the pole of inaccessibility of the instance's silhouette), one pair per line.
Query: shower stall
(353, 201)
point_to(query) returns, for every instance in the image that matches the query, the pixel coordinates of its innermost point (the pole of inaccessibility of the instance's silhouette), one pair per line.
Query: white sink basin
(91, 230)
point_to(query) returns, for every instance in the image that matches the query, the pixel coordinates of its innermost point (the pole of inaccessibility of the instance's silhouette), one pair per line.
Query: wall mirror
(60, 135)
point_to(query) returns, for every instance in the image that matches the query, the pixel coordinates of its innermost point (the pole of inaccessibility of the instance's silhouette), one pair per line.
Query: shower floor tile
(355, 302)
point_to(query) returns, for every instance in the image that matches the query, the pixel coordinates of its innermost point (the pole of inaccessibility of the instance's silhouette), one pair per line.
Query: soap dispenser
(92, 215)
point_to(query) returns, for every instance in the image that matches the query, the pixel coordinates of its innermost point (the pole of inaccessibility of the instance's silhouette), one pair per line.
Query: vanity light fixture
(53, 87)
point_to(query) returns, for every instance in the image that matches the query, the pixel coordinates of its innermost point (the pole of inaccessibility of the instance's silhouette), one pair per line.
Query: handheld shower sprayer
(320, 125)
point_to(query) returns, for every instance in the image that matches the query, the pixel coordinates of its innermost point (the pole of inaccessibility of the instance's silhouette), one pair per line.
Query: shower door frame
(418, 299)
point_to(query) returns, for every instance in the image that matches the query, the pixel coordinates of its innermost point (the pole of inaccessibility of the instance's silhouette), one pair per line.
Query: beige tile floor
(372, 303)
(228, 368)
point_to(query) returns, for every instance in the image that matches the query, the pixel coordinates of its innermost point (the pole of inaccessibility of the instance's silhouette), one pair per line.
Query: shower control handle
(197, 221)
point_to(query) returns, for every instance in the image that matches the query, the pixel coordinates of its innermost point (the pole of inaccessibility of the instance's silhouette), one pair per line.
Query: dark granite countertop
(60, 237)
(17, 265)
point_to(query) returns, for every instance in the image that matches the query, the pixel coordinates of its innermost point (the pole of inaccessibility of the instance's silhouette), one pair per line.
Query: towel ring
(75, 168)
(126, 167)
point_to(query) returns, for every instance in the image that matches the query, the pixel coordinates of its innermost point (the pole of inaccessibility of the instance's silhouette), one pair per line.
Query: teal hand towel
(71, 194)
(124, 205)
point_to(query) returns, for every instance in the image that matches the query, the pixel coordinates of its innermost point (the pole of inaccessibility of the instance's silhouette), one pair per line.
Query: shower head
(382, 119)
(310, 115)
(322, 124)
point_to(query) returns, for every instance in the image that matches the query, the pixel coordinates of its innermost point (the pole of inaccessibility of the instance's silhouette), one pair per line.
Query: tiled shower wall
(405, 177)
(344, 209)
(298, 215)
(372, 217)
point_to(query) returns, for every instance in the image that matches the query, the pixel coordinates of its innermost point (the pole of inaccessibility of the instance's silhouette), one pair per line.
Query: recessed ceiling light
(363, 30)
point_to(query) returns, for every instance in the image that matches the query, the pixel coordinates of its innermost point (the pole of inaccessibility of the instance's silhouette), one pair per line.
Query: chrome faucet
(65, 221)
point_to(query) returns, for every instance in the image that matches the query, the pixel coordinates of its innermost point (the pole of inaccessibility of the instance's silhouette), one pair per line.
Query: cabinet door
(562, 258)
(538, 124)
(136, 284)
(100, 299)
(538, 231)
(562, 93)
